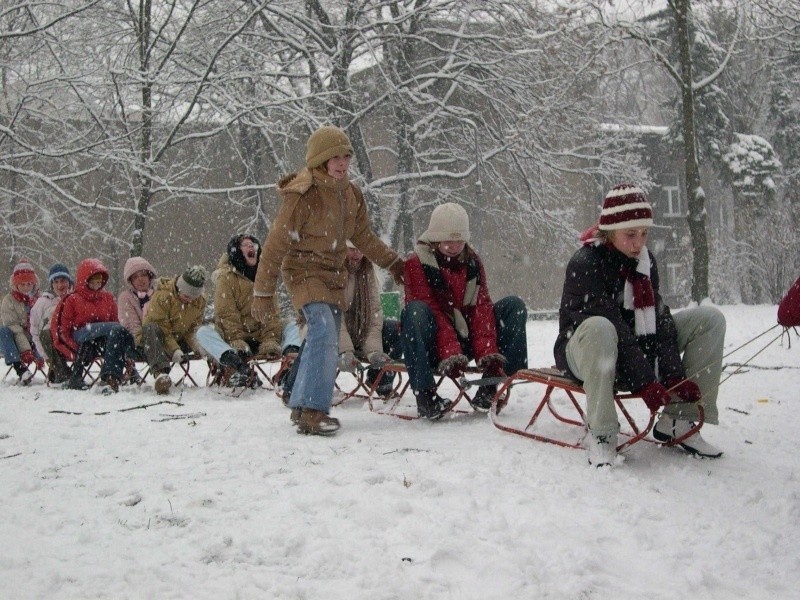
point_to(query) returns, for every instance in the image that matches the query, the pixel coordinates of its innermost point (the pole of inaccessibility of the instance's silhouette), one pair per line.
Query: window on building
(673, 205)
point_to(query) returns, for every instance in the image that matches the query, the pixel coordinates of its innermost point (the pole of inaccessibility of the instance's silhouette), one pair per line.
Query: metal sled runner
(569, 411)
(391, 403)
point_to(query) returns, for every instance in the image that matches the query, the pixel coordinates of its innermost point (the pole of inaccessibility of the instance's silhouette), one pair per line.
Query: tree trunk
(695, 195)
(146, 138)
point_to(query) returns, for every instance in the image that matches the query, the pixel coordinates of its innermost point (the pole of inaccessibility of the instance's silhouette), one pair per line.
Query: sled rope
(739, 366)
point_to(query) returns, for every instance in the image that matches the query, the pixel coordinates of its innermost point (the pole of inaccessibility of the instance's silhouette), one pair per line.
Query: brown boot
(316, 422)
(295, 415)
(110, 384)
(163, 383)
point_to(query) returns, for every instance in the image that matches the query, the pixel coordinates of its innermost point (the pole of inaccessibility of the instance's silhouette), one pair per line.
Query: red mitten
(453, 366)
(40, 363)
(654, 395)
(685, 390)
(27, 357)
(492, 364)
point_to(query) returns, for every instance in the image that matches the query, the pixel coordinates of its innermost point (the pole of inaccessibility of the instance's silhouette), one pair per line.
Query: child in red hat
(16, 343)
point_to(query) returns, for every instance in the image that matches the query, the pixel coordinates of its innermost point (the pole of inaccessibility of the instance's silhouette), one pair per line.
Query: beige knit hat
(325, 143)
(449, 221)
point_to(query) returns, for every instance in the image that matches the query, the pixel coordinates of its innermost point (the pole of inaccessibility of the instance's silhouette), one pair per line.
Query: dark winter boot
(431, 406)
(75, 381)
(24, 374)
(483, 397)
(231, 358)
(385, 387)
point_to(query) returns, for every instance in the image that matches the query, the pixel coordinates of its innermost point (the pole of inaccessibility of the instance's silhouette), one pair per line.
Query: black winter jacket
(594, 286)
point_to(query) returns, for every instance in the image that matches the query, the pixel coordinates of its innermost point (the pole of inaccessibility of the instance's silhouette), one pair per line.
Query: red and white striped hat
(624, 207)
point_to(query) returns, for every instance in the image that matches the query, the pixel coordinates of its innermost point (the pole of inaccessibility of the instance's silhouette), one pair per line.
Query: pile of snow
(219, 498)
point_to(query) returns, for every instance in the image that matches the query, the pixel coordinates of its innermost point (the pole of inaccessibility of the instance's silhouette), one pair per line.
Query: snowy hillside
(229, 502)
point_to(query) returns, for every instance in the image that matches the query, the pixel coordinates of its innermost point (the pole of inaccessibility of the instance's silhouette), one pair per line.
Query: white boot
(668, 428)
(602, 449)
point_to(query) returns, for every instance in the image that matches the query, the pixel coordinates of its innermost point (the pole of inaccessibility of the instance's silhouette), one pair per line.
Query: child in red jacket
(450, 319)
(85, 323)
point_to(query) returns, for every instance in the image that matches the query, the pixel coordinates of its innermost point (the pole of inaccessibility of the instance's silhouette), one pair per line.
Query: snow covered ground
(230, 502)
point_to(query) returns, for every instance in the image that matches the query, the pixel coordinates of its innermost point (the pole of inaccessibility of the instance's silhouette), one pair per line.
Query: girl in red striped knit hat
(616, 332)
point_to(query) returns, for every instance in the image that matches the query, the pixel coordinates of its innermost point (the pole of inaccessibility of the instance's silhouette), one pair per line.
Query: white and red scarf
(639, 296)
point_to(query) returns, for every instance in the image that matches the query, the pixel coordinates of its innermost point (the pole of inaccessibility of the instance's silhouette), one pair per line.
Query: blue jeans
(316, 370)
(392, 345)
(8, 346)
(419, 339)
(213, 343)
(118, 343)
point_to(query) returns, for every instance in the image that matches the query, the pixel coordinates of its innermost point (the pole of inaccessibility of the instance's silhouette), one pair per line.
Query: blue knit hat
(59, 270)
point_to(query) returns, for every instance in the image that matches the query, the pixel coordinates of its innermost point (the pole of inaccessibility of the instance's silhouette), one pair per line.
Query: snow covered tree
(41, 137)
(671, 36)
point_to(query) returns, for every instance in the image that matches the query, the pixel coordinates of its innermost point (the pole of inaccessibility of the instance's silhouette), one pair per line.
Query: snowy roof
(654, 129)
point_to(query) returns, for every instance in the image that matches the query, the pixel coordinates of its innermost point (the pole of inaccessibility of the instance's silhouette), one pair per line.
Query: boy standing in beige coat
(320, 209)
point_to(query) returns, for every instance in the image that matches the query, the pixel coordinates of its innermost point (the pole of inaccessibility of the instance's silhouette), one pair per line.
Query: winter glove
(348, 362)
(261, 308)
(178, 356)
(453, 366)
(685, 390)
(27, 357)
(654, 395)
(269, 349)
(378, 358)
(240, 346)
(492, 364)
(397, 270)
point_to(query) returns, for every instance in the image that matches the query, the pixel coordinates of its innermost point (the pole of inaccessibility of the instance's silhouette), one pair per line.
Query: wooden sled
(572, 412)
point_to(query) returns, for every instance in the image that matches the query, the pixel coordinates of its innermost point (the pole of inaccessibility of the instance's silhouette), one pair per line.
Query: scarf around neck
(639, 296)
(443, 293)
(27, 299)
(356, 317)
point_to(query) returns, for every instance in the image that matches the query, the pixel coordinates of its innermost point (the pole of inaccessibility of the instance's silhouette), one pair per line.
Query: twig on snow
(175, 417)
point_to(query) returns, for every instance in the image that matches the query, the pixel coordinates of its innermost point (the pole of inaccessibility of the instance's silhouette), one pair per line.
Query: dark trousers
(110, 339)
(153, 348)
(419, 339)
(59, 369)
(392, 345)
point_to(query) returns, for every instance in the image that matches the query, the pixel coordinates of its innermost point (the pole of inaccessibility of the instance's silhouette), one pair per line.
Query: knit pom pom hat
(325, 143)
(625, 207)
(449, 222)
(23, 273)
(59, 270)
(192, 281)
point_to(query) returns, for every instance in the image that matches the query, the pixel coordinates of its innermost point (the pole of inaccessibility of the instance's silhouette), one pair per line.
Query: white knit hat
(449, 222)
(192, 281)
